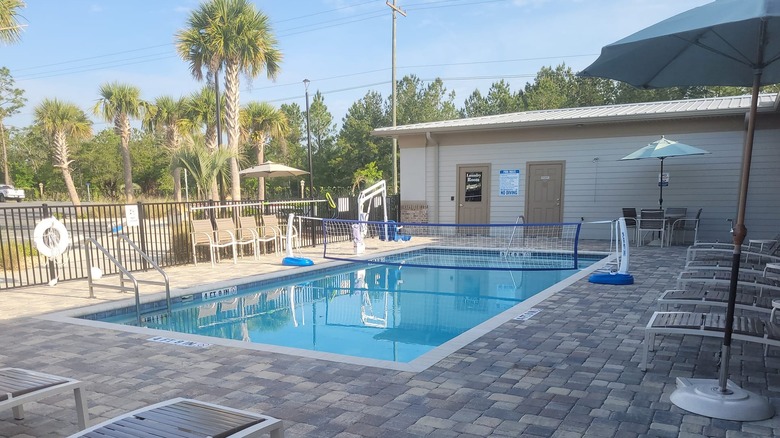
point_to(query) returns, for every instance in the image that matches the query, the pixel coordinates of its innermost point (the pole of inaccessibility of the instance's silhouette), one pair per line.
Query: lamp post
(308, 140)
(311, 168)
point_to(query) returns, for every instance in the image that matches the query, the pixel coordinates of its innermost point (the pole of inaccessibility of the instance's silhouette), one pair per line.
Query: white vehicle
(9, 192)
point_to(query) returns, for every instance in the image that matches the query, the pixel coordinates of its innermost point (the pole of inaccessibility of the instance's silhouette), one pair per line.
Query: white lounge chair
(752, 280)
(714, 298)
(746, 328)
(182, 417)
(19, 386)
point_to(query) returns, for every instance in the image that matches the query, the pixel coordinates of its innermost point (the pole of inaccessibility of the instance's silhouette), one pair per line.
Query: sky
(68, 49)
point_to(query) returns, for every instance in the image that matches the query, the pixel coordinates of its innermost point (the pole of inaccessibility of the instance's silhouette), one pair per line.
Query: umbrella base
(703, 397)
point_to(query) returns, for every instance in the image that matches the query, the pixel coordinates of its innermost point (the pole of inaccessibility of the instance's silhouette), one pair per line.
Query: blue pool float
(297, 261)
(611, 278)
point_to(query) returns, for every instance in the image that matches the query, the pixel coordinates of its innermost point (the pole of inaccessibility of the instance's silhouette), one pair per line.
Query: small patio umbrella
(661, 149)
(726, 42)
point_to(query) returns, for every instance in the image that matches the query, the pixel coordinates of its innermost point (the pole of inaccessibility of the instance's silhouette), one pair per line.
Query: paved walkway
(569, 371)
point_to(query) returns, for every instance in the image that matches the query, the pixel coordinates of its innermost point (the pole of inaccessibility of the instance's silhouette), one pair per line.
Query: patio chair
(270, 220)
(629, 214)
(746, 328)
(204, 235)
(19, 386)
(683, 225)
(263, 234)
(650, 221)
(241, 236)
(183, 417)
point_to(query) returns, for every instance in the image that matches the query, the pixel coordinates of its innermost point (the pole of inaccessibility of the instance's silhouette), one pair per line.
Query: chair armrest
(209, 236)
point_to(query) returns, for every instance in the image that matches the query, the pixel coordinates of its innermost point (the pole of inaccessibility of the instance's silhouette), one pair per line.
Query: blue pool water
(386, 312)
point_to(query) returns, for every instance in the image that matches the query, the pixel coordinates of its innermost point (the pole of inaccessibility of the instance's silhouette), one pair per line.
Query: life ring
(331, 202)
(51, 237)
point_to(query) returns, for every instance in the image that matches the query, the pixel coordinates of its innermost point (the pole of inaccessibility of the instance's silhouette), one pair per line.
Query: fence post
(142, 231)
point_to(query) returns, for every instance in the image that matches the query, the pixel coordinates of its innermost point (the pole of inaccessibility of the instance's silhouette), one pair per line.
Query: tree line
(178, 136)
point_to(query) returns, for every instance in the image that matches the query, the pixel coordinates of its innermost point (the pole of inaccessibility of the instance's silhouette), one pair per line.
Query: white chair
(650, 221)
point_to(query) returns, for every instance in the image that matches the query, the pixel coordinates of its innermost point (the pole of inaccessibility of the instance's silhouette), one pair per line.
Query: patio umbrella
(269, 169)
(661, 149)
(726, 42)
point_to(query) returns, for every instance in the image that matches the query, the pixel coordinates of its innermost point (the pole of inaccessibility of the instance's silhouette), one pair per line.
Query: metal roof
(676, 109)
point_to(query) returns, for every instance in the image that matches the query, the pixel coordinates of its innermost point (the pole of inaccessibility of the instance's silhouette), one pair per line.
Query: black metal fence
(163, 232)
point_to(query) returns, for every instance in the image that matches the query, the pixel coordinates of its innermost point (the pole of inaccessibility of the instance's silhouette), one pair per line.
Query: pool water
(385, 312)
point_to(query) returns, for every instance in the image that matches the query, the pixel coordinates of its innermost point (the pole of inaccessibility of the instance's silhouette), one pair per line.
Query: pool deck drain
(570, 371)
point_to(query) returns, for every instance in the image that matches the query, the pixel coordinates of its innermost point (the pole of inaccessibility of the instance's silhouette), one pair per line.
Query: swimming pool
(386, 313)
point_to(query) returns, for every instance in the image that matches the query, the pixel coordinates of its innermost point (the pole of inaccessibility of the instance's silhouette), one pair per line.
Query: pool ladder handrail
(519, 221)
(124, 272)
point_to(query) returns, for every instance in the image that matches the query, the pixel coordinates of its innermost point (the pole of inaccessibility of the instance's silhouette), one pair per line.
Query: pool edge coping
(419, 364)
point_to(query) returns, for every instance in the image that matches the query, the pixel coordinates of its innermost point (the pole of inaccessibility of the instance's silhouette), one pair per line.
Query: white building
(564, 165)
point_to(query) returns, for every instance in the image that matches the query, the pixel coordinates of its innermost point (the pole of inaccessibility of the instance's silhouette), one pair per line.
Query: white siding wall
(597, 190)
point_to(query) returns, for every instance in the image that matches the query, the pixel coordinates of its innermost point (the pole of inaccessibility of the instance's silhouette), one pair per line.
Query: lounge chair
(714, 298)
(18, 386)
(182, 417)
(723, 251)
(745, 328)
(721, 279)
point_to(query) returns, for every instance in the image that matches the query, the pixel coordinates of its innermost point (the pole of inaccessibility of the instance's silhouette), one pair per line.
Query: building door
(544, 192)
(473, 194)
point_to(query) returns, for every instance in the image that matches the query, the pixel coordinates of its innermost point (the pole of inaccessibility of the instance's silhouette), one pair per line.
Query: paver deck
(569, 371)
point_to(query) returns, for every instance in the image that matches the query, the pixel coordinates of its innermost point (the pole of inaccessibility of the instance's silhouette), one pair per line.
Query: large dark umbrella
(662, 149)
(726, 42)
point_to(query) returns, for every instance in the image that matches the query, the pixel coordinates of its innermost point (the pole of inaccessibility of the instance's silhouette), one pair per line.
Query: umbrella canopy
(726, 42)
(269, 169)
(664, 148)
(661, 149)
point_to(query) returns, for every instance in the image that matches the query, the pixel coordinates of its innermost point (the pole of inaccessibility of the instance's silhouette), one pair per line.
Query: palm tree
(200, 112)
(10, 29)
(61, 121)
(203, 165)
(119, 103)
(260, 122)
(230, 33)
(167, 118)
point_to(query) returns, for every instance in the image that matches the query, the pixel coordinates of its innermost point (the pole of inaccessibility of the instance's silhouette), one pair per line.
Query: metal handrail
(123, 271)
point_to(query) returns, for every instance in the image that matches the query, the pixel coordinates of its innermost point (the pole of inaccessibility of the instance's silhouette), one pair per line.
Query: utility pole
(394, 100)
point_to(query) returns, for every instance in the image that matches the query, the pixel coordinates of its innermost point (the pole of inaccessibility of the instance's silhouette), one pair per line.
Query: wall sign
(509, 182)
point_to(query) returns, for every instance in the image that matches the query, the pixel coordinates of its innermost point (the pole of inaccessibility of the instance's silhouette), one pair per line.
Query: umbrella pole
(740, 231)
(722, 398)
(661, 186)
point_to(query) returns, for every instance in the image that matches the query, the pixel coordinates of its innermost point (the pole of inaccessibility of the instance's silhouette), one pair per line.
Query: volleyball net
(515, 246)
